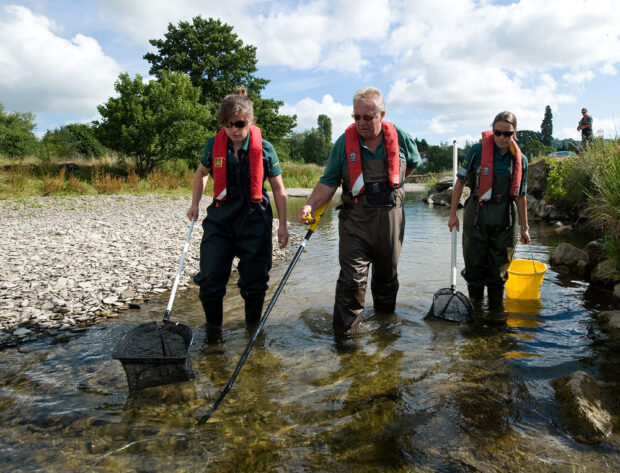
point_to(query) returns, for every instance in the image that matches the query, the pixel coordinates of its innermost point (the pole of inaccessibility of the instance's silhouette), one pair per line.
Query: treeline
(169, 117)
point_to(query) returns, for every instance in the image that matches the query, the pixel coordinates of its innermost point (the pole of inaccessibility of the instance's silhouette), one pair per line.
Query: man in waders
(496, 172)
(371, 160)
(238, 221)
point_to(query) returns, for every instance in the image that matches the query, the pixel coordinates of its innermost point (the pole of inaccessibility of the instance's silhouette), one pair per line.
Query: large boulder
(445, 197)
(575, 260)
(537, 174)
(609, 322)
(581, 401)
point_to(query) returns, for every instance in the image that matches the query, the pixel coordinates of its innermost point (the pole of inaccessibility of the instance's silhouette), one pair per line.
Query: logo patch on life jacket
(485, 171)
(353, 157)
(218, 162)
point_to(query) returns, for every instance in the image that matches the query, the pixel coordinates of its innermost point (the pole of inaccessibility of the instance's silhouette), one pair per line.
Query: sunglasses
(507, 134)
(237, 124)
(367, 118)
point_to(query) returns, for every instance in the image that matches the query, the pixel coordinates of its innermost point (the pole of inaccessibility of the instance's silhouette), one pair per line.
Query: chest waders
(489, 239)
(235, 227)
(371, 228)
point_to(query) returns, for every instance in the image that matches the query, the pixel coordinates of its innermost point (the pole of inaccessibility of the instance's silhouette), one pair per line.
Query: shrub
(53, 185)
(105, 183)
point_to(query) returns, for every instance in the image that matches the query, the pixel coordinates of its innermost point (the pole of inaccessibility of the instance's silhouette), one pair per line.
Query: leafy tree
(421, 144)
(217, 62)
(525, 136)
(75, 139)
(16, 137)
(154, 122)
(438, 158)
(536, 148)
(546, 127)
(325, 127)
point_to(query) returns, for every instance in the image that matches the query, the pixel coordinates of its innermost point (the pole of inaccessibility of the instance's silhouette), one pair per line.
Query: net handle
(454, 230)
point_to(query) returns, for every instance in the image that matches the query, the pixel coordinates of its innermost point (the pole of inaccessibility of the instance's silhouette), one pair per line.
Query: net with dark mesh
(154, 354)
(449, 304)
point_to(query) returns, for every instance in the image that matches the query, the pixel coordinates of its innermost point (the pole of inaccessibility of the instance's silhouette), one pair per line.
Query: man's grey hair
(370, 92)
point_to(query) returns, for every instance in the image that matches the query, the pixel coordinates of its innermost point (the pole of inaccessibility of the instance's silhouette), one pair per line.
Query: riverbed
(403, 395)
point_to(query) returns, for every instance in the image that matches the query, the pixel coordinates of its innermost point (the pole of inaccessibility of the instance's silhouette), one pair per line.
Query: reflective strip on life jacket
(255, 153)
(354, 157)
(485, 186)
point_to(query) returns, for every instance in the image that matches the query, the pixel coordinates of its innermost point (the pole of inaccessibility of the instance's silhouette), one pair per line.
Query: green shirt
(502, 164)
(337, 159)
(270, 158)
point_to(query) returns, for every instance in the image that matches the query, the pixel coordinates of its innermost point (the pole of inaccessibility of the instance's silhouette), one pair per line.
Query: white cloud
(45, 73)
(308, 110)
(578, 77)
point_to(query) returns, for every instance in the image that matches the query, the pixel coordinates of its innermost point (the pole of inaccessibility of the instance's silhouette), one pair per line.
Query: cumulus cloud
(308, 110)
(45, 73)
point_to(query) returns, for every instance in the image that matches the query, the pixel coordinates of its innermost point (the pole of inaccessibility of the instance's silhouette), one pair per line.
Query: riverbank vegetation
(590, 183)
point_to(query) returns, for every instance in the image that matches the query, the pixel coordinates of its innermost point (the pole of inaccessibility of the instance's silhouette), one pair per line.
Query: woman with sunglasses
(239, 219)
(496, 172)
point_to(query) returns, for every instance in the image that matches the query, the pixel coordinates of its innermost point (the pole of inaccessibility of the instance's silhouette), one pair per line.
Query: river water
(404, 395)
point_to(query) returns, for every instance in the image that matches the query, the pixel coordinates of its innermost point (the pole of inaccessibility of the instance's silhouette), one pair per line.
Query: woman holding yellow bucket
(496, 172)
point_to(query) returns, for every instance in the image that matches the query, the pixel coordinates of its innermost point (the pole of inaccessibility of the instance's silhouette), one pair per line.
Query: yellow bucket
(524, 279)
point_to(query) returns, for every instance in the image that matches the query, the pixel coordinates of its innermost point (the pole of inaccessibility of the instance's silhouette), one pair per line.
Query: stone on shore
(67, 262)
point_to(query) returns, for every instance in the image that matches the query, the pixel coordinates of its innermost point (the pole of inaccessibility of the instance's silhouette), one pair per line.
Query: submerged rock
(581, 402)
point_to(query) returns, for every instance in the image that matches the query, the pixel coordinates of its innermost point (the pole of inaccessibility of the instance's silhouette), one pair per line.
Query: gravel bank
(69, 262)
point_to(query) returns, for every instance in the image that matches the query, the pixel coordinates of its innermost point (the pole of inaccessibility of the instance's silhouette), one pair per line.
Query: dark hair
(238, 102)
(507, 117)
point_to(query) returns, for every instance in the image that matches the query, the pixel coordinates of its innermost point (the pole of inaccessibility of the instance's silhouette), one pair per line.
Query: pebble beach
(70, 262)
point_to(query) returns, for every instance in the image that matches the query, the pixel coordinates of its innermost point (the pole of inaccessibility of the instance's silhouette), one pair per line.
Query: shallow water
(404, 395)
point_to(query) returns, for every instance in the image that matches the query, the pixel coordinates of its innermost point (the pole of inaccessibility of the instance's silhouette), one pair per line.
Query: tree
(546, 127)
(16, 134)
(536, 148)
(154, 122)
(217, 62)
(438, 158)
(525, 136)
(421, 144)
(325, 127)
(73, 140)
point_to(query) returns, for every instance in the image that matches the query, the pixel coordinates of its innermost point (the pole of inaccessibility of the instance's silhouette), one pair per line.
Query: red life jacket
(255, 156)
(485, 186)
(354, 156)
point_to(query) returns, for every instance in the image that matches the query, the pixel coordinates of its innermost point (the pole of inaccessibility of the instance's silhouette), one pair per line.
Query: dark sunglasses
(367, 118)
(237, 124)
(507, 134)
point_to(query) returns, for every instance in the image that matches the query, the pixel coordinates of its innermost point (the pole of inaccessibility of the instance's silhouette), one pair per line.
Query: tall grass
(604, 200)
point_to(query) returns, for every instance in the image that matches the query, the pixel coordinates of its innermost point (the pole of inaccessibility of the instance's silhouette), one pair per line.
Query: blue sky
(446, 67)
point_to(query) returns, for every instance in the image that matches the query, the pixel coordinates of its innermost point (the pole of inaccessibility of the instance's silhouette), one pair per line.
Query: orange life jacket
(485, 186)
(255, 157)
(354, 156)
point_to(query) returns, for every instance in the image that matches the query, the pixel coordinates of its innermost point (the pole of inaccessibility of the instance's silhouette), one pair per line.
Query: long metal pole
(317, 217)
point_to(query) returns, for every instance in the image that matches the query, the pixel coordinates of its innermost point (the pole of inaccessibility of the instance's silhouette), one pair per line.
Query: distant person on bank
(238, 221)
(370, 160)
(496, 172)
(585, 126)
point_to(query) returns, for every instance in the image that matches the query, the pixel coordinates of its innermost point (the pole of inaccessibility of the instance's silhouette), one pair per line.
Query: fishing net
(154, 354)
(451, 305)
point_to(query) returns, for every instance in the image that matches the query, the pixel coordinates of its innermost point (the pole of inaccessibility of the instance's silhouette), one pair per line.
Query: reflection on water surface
(402, 395)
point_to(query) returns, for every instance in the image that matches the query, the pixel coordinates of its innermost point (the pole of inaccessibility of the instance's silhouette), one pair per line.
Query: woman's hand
(525, 236)
(193, 212)
(282, 234)
(453, 221)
